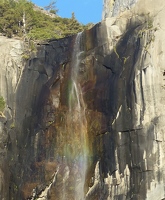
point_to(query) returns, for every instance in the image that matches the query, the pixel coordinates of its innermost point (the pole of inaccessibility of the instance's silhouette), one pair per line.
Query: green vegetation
(12, 125)
(2, 104)
(115, 50)
(148, 31)
(51, 7)
(29, 49)
(21, 19)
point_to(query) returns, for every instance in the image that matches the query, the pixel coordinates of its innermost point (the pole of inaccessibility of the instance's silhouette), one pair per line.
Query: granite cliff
(84, 115)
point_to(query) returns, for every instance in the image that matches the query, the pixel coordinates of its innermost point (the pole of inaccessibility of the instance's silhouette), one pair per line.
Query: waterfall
(77, 119)
(73, 136)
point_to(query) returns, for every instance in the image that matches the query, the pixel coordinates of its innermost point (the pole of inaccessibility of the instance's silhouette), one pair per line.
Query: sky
(86, 11)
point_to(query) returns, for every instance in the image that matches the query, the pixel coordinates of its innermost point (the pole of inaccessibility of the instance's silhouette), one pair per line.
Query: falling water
(75, 151)
(78, 120)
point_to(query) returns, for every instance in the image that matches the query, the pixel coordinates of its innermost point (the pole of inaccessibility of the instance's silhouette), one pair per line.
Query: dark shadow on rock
(121, 63)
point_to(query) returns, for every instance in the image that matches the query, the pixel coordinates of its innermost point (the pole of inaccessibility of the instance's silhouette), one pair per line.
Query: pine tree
(18, 18)
(51, 7)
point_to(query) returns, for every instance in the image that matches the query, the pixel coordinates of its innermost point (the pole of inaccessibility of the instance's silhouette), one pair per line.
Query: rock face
(113, 8)
(84, 116)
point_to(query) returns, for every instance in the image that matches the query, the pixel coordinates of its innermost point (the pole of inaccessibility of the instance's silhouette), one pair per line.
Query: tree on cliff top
(51, 7)
(20, 18)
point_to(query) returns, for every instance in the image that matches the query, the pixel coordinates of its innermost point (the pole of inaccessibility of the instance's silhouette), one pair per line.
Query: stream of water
(75, 149)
